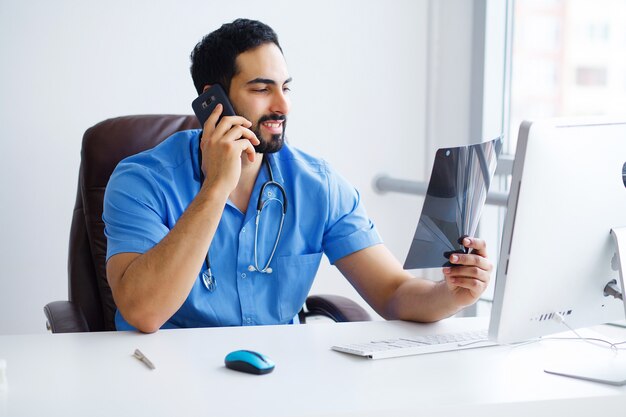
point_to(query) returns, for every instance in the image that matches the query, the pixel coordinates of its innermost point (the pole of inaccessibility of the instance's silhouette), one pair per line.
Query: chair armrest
(338, 308)
(65, 317)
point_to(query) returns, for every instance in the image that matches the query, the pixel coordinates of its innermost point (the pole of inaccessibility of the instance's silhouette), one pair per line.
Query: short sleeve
(348, 227)
(133, 211)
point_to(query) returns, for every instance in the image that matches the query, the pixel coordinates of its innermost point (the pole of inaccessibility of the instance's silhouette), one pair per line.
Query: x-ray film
(456, 194)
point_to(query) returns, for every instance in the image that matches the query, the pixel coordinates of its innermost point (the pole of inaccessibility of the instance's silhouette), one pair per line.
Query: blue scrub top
(148, 192)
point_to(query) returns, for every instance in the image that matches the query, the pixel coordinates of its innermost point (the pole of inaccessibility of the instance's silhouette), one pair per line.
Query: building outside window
(567, 59)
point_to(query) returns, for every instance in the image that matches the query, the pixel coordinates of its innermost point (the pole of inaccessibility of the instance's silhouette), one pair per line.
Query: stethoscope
(208, 279)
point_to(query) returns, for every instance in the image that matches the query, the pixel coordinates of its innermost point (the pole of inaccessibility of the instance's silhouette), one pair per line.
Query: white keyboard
(417, 345)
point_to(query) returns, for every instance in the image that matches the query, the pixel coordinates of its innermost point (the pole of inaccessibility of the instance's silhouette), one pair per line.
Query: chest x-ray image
(456, 194)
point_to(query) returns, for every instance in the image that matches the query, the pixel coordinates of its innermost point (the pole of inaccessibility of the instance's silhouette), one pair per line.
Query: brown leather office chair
(90, 306)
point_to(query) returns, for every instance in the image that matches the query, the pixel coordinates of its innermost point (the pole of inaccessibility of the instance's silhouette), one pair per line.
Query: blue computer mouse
(249, 361)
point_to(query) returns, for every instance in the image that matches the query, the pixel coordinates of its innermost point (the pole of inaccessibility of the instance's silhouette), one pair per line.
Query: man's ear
(206, 87)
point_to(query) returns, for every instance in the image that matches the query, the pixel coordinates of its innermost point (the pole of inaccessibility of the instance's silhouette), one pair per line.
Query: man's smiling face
(259, 92)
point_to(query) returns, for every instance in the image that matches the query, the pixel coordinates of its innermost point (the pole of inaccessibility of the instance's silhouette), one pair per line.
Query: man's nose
(280, 103)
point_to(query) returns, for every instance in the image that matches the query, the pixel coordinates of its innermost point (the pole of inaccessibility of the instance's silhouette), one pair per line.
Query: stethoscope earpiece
(267, 270)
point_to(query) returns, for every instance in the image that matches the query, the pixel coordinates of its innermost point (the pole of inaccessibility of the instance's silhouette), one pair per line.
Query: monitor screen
(557, 253)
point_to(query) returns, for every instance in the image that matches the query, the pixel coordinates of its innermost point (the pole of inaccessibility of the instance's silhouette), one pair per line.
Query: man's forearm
(393, 292)
(156, 283)
(422, 300)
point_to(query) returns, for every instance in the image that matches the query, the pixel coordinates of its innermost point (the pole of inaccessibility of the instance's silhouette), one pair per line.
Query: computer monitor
(558, 252)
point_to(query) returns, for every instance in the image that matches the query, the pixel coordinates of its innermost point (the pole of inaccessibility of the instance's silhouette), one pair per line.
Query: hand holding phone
(216, 157)
(206, 102)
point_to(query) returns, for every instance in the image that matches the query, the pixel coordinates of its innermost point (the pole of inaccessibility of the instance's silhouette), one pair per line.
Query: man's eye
(286, 89)
(260, 90)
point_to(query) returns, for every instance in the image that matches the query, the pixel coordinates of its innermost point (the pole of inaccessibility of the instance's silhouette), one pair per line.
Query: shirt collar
(196, 157)
(274, 160)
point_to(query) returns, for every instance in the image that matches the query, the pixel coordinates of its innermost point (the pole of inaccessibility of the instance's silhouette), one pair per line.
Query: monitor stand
(602, 369)
(607, 366)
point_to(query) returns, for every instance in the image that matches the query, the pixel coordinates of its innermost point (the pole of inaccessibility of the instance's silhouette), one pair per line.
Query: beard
(276, 142)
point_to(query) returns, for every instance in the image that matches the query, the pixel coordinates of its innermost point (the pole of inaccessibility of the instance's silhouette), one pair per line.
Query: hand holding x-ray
(456, 194)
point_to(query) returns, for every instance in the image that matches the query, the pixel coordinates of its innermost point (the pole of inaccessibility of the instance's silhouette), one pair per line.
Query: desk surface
(95, 374)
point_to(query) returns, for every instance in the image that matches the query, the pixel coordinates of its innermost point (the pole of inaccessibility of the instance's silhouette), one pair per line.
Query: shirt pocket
(295, 275)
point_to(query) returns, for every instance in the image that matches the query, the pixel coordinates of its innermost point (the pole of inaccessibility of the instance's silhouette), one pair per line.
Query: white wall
(359, 95)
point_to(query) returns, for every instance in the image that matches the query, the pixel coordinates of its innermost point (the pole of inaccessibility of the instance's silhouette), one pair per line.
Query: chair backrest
(104, 145)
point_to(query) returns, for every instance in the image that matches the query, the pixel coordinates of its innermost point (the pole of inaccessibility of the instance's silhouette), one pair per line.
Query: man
(184, 245)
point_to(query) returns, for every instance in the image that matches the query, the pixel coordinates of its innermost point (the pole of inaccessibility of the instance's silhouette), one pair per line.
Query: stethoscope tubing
(208, 278)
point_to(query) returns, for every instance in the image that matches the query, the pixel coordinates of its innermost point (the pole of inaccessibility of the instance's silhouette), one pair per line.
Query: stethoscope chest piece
(209, 280)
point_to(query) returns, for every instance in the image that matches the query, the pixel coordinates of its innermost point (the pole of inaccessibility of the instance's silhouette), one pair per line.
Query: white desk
(95, 375)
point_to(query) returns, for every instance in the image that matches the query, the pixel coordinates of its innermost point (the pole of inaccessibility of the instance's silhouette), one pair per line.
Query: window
(591, 77)
(567, 59)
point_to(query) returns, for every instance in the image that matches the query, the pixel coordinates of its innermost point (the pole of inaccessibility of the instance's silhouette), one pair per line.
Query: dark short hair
(213, 58)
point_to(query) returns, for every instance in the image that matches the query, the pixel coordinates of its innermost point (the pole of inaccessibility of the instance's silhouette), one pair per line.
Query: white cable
(558, 317)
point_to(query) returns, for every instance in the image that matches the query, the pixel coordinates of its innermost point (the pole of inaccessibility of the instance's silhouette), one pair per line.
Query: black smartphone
(204, 105)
